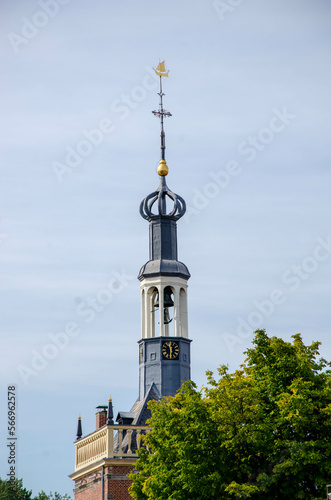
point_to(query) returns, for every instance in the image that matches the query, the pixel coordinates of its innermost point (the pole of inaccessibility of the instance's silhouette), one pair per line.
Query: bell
(167, 300)
(166, 316)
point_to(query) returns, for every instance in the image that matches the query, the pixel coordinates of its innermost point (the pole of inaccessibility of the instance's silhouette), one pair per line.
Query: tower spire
(79, 428)
(110, 420)
(164, 347)
(163, 193)
(162, 113)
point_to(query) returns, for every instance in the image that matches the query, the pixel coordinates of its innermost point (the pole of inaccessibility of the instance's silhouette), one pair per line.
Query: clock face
(141, 353)
(170, 349)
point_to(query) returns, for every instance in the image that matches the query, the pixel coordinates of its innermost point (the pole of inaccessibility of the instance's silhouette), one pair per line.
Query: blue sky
(247, 148)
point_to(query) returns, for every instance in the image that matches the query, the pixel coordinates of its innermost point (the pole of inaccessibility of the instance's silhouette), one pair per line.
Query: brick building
(105, 457)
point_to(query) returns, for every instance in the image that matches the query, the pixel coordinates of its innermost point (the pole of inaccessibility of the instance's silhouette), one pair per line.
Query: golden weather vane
(160, 70)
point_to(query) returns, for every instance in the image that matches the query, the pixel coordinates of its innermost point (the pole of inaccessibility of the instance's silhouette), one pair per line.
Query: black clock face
(170, 349)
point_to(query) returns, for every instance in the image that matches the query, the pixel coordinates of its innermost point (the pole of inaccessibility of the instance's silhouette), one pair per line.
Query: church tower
(105, 457)
(164, 348)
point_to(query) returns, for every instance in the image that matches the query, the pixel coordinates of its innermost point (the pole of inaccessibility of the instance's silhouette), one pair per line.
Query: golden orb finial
(109, 399)
(162, 169)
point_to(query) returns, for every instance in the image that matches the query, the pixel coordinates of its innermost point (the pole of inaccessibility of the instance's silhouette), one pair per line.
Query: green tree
(14, 490)
(51, 496)
(261, 432)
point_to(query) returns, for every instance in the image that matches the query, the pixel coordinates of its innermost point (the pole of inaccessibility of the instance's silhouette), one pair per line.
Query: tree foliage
(261, 432)
(51, 496)
(14, 490)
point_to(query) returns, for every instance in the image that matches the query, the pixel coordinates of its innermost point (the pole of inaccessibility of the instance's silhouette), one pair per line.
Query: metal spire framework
(161, 113)
(163, 192)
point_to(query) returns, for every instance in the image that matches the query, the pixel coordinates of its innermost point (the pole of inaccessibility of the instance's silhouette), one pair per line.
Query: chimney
(101, 416)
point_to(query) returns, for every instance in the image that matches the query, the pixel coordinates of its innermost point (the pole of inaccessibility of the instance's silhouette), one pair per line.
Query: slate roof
(142, 413)
(125, 414)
